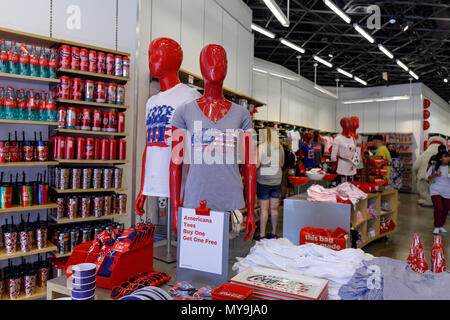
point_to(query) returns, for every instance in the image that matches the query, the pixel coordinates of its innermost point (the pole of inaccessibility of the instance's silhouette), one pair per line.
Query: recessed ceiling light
(392, 21)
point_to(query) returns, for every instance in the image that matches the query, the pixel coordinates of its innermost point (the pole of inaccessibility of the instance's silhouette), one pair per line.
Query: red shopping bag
(336, 240)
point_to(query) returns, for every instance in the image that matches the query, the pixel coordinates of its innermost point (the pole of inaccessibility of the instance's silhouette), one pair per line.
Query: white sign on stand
(203, 247)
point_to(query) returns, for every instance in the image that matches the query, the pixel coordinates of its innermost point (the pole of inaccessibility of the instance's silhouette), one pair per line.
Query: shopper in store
(439, 178)
(319, 149)
(289, 166)
(307, 152)
(397, 168)
(383, 152)
(269, 164)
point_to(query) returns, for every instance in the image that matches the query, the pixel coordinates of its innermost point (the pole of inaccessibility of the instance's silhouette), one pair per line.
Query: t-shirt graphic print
(160, 109)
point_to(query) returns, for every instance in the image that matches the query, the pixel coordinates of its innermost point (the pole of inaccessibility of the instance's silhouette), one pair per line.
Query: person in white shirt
(439, 178)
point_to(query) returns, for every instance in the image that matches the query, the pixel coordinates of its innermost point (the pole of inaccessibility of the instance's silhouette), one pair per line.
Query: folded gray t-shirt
(211, 149)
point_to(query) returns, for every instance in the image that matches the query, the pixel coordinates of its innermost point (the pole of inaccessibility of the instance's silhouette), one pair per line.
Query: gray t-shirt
(211, 149)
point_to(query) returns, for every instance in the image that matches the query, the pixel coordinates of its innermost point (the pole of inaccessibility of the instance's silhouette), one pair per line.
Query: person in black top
(290, 161)
(319, 149)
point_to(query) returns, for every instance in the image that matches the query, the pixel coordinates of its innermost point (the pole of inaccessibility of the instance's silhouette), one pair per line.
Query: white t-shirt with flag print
(159, 111)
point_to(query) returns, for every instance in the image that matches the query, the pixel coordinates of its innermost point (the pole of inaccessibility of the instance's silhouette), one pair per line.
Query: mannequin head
(308, 137)
(355, 126)
(164, 57)
(346, 125)
(316, 135)
(213, 63)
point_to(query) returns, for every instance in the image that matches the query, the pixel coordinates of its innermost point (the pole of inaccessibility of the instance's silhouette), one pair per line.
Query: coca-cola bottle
(24, 60)
(10, 104)
(31, 107)
(43, 63)
(21, 104)
(52, 64)
(2, 104)
(13, 59)
(37, 102)
(34, 62)
(42, 105)
(437, 246)
(3, 56)
(52, 112)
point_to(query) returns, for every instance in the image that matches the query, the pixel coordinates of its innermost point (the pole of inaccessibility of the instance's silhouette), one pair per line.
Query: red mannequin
(346, 125)
(355, 127)
(164, 60)
(213, 65)
(308, 137)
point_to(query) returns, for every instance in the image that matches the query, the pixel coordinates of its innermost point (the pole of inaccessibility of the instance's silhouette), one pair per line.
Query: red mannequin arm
(140, 200)
(175, 174)
(250, 190)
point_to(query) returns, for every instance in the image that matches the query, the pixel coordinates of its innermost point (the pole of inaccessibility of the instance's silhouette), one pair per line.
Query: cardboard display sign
(203, 247)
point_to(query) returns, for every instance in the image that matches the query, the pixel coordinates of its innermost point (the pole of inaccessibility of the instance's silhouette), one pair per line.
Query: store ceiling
(424, 47)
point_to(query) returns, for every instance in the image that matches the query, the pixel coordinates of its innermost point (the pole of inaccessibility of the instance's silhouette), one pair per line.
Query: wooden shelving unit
(37, 123)
(39, 294)
(92, 75)
(11, 76)
(16, 208)
(375, 199)
(29, 164)
(3, 256)
(89, 162)
(93, 133)
(93, 104)
(59, 191)
(48, 42)
(78, 220)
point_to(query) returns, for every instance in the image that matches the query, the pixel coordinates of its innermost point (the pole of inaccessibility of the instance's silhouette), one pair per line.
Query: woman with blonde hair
(269, 163)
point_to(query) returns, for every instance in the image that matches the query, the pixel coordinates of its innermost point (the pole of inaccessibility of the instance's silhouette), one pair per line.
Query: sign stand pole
(167, 254)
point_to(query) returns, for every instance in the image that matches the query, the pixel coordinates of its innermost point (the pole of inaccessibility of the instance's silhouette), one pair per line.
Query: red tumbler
(105, 149)
(69, 148)
(113, 149)
(81, 148)
(122, 150)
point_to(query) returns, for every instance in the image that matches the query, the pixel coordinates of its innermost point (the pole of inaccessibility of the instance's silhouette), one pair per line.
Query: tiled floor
(412, 219)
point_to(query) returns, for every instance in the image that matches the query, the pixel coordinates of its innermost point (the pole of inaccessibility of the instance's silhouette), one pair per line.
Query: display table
(300, 213)
(57, 288)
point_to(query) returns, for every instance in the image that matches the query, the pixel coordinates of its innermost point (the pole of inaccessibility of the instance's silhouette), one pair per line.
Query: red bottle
(421, 263)
(81, 148)
(416, 242)
(69, 148)
(113, 150)
(97, 149)
(90, 149)
(412, 258)
(105, 147)
(122, 150)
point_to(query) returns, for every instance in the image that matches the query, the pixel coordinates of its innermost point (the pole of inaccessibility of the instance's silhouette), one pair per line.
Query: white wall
(402, 116)
(440, 112)
(196, 23)
(294, 102)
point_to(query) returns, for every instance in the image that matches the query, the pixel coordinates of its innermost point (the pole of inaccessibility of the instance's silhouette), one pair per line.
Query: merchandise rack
(93, 104)
(93, 75)
(268, 124)
(93, 133)
(28, 164)
(78, 220)
(39, 294)
(3, 256)
(11, 76)
(16, 208)
(38, 40)
(391, 197)
(59, 191)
